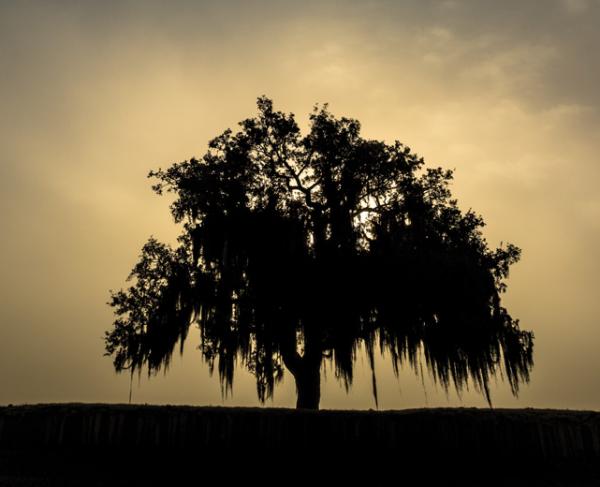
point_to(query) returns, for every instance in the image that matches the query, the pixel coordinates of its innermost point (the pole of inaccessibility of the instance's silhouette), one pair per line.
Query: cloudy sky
(95, 94)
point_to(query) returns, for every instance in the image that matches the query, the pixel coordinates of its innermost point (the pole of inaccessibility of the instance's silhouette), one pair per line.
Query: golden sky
(95, 94)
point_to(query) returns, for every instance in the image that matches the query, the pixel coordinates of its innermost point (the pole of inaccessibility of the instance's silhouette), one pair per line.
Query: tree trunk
(306, 369)
(308, 386)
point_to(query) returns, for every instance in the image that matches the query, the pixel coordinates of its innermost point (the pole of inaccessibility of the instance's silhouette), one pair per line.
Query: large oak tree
(296, 249)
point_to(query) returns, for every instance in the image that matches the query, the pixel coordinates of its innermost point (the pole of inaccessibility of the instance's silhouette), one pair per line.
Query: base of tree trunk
(308, 387)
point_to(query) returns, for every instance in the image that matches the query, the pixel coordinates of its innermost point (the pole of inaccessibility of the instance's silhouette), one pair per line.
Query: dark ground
(102, 445)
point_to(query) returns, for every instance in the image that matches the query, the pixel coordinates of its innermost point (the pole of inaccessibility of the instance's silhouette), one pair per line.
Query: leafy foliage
(296, 249)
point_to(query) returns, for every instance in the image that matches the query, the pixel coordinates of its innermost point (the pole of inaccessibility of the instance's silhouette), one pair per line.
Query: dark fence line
(519, 434)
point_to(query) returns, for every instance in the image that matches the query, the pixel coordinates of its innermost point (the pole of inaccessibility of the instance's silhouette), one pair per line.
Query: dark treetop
(297, 249)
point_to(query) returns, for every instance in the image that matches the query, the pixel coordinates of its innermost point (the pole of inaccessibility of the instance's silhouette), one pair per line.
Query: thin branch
(308, 161)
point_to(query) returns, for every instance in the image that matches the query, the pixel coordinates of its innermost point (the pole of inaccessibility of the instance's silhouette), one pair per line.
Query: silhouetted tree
(296, 249)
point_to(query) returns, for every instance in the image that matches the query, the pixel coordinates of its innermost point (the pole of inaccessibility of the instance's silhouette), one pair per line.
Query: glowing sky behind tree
(94, 95)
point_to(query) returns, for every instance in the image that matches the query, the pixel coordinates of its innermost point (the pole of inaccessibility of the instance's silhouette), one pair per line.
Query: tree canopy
(296, 249)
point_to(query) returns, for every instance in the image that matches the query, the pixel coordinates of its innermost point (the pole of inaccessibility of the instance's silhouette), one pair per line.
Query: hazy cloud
(94, 94)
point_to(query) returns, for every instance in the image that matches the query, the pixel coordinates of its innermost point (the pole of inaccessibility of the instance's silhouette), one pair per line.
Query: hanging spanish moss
(298, 249)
